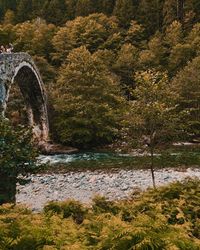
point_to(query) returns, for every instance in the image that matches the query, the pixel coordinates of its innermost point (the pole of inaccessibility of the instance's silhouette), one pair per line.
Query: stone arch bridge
(20, 68)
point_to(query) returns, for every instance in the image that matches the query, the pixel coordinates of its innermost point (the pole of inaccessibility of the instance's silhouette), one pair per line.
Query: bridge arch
(20, 68)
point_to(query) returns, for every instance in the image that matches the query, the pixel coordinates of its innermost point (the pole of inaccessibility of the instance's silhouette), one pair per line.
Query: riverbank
(84, 185)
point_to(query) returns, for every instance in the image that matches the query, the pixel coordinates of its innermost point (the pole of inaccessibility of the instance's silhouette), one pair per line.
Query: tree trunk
(152, 167)
(7, 188)
(180, 10)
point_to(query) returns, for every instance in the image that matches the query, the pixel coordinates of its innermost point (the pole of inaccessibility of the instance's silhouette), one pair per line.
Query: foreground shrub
(66, 209)
(102, 205)
(17, 156)
(166, 218)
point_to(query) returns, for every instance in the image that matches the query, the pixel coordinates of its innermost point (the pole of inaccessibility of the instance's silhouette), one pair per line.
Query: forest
(119, 75)
(94, 57)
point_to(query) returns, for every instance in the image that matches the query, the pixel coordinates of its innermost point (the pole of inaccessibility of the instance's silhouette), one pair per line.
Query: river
(88, 174)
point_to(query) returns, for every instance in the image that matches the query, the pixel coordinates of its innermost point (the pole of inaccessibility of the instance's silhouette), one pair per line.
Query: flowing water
(116, 160)
(88, 159)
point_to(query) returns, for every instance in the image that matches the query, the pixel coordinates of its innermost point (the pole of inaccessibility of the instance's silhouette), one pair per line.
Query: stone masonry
(19, 68)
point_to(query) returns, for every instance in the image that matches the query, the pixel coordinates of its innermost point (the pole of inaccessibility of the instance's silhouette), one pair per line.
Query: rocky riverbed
(83, 186)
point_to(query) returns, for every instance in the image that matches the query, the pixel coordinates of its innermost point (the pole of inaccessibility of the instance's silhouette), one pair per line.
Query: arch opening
(16, 110)
(30, 87)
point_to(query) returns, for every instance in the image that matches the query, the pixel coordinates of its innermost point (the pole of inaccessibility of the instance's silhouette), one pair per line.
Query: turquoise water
(87, 158)
(114, 160)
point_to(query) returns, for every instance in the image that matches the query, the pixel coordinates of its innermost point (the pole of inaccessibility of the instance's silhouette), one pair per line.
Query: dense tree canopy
(153, 14)
(124, 35)
(87, 100)
(92, 31)
(124, 10)
(187, 83)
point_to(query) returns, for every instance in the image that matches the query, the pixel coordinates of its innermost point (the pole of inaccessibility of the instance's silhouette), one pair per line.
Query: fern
(139, 224)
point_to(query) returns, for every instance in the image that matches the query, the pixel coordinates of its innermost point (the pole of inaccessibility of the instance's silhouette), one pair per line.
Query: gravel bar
(83, 186)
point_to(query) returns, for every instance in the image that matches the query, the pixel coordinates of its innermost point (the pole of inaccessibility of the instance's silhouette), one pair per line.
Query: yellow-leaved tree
(154, 116)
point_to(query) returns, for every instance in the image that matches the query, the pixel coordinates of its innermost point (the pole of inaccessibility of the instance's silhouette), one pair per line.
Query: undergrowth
(166, 218)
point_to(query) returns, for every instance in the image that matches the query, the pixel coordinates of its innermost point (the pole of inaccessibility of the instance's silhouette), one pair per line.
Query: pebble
(83, 186)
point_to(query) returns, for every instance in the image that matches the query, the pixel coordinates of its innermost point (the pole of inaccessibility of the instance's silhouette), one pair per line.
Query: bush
(102, 205)
(153, 223)
(67, 209)
(17, 156)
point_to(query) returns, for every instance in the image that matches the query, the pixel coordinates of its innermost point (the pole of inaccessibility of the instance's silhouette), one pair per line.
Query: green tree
(153, 111)
(54, 11)
(193, 38)
(179, 56)
(88, 101)
(6, 34)
(135, 34)
(180, 10)
(92, 31)
(174, 34)
(16, 110)
(180, 51)
(189, 21)
(155, 54)
(169, 12)
(37, 6)
(124, 11)
(71, 8)
(24, 9)
(34, 37)
(173, 10)
(17, 156)
(149, 16)
(107, 57)
(187, 83)
(196, 8)
(9, 17)
(106, 7)
(84, 7)
(6, 5)
(114, 42)
(47, 71)
(125, 65)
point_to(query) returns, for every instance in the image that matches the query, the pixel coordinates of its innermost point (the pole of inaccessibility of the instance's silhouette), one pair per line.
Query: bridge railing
(17, 55)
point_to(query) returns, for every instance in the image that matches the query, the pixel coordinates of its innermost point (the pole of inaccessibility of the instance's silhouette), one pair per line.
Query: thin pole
(152, 167)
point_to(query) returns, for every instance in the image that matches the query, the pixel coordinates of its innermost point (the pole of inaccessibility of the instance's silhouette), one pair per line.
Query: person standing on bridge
(9, 48)
(2, 49)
